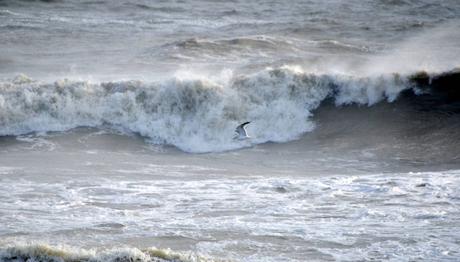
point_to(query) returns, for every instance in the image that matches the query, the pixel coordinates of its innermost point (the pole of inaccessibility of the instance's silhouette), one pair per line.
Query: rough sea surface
(117, 121)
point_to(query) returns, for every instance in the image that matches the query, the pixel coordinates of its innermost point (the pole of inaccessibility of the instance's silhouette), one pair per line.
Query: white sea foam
(43, 252)
(192, 112)
(249, 218)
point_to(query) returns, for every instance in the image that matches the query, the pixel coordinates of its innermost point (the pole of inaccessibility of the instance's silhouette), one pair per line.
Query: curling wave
(194, 114)
(40, 252)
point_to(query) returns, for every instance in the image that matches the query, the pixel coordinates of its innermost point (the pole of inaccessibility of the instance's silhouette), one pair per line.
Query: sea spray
(43, 252)
(195, 114)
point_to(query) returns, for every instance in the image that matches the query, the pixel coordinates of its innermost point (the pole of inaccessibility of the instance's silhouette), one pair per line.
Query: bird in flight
(240, 131)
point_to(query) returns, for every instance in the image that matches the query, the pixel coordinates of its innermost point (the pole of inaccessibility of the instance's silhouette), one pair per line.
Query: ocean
(117, 121)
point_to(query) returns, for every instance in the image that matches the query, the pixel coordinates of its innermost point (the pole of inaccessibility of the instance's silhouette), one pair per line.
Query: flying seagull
(241, 132)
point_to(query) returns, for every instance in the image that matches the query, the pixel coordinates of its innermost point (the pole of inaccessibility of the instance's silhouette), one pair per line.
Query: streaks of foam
(356, 217)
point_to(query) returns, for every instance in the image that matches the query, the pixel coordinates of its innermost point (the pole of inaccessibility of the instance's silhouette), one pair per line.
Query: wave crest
(41, 252)
(195, 114)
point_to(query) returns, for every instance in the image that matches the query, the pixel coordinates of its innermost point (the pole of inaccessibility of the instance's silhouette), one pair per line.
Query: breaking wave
(40, 252)
(195, 114)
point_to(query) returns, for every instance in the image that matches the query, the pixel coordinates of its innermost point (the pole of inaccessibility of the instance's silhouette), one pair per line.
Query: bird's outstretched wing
(241, 131)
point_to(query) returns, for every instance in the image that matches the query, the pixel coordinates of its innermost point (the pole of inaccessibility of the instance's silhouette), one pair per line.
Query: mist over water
(117, 118)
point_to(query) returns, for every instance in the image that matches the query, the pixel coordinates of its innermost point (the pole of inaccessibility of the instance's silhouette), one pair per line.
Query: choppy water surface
(117, 118)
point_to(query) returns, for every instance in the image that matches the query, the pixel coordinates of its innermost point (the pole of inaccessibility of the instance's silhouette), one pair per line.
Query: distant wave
(198, 114)
(50, 253)
(165, 9)
(339, 46)
(256, 41)
(197, 48)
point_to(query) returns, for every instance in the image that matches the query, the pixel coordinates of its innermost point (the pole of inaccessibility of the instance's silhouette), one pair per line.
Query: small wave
(393, 2)
(165, 9)
(339, 46)
(230, 12)
(20, 27)
(195, 114)
(95, 2)
(41, 252)
(224, 45)
(5, 12)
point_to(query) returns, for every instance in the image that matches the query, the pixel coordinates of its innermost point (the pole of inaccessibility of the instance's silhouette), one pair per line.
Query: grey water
(117, 117)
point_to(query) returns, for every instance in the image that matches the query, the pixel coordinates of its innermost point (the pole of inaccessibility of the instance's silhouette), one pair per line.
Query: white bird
(241, 132)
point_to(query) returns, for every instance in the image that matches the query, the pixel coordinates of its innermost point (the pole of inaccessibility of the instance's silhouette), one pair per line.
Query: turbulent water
(117, 121)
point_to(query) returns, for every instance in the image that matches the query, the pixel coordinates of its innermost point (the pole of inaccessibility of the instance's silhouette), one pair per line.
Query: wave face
(194, 114)
(38, 252)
